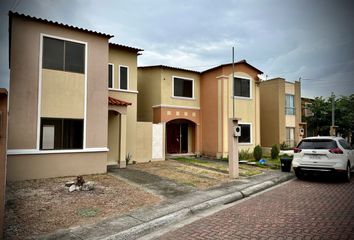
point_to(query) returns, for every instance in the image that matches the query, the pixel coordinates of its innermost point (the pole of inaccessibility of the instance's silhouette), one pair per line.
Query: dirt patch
(183, 174)
(37, 207)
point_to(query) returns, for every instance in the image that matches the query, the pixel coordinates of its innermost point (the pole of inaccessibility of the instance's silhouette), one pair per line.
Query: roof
(11, 14)
(120, 46)
(239, 62)
(117, 102)
(170, 67)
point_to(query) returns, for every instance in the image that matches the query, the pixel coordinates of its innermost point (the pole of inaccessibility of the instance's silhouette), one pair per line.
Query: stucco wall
(23, 167)
(149, 87)
(143, 141)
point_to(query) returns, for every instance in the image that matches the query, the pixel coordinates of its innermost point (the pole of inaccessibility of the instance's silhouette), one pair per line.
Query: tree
(345, 115)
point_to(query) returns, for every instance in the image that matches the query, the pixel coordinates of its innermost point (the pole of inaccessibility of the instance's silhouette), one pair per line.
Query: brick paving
(312, 209)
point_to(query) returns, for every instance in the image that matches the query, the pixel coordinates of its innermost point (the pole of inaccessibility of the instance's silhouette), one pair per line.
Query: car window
(344, 144)
(317, 144)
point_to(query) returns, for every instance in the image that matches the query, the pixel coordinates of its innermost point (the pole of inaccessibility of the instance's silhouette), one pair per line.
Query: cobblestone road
(311, 209)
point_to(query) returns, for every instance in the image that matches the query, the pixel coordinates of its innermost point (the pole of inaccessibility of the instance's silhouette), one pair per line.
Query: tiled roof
(133, 49)
(169, 67)
(11, 14)
(239, 62)
(117, 102)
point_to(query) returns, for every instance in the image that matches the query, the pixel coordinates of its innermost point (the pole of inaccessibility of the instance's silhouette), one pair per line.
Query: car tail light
(297, 150)
(336, 151)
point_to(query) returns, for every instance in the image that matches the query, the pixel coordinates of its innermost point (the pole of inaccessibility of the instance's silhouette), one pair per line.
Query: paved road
(311, 209)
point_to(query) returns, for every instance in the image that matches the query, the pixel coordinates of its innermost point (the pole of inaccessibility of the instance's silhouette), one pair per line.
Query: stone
(70, 183)
(88, 186)
(72, 188)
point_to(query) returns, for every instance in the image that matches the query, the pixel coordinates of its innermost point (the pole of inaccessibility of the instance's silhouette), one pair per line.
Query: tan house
(219, 102)
(281, 112)
(196, 106)
(172, 96)
(73, 102)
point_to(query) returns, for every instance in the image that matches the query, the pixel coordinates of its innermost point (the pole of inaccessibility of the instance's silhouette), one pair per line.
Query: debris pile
(80, 185)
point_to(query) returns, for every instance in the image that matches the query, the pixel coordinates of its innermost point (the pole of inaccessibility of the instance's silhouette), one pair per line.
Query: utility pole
(233, 82)
(332, 130)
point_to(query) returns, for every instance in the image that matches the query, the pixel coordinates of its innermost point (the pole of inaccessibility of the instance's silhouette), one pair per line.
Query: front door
(177, 137)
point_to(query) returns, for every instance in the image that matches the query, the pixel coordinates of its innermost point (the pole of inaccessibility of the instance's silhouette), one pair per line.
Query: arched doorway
(180, 136)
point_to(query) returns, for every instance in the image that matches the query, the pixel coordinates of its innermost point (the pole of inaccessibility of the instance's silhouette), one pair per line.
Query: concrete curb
(147, 227)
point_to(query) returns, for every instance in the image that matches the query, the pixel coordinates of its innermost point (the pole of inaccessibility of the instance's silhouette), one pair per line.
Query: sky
(292, 39)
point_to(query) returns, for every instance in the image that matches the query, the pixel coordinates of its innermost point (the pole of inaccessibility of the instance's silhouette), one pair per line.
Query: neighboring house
(196, 106)
(281, 112)
(73, 102)
(172, 95)
(217, 106)
(306, 113)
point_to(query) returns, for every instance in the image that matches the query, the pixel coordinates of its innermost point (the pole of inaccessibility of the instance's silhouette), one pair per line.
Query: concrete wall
(143, 141)
(3, 160)
(24, 111)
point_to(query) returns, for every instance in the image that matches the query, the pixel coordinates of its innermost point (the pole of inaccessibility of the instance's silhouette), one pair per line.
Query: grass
(87, 212)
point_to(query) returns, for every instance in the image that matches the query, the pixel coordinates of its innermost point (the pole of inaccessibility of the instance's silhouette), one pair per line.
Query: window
(123, 77)
(289, 104)
(110, 75)
(59, 133)
(290, 136)
(242, 87)
(317, 144)
(245, 133)
(344, 144)
(183, 87)
(63, 55)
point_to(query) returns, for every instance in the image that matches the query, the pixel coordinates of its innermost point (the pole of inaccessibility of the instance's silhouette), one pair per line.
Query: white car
(323, 154)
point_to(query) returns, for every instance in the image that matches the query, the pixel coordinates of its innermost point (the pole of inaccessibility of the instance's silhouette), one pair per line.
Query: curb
(137, 231)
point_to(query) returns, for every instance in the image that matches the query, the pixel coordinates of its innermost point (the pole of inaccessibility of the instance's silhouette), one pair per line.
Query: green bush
(257, 152)
(245, 154)
(274, 153)
(284, 146)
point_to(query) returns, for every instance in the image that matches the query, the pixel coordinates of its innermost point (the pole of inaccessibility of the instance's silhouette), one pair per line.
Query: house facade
(219, 102)
(281, 113)
(73, 101)
(196, 106)
(172, 96)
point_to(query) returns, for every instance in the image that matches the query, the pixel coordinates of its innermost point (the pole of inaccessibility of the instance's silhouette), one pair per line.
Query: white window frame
(112, 76)
(251, 87)
(251, 133)
(40, 68)
(173, 88)
(286, 107)
(127, 67)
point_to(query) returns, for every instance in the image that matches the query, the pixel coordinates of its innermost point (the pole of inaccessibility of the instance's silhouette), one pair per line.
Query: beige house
(171, 96)
(281, 112)
(196, 106)
(73, 101)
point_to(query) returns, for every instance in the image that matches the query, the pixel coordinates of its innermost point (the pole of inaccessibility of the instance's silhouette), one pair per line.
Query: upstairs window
(242, 87)
(123, 77)
(289, 104)
(183, 87)
(110, 75)
(63, 55)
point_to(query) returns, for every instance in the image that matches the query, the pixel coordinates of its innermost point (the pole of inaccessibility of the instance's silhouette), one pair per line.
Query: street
(311, 209)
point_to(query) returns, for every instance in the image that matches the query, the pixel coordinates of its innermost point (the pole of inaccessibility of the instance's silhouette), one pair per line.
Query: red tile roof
(117, 102)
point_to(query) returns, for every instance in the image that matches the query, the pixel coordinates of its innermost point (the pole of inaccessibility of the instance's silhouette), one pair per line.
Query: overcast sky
(313, 40)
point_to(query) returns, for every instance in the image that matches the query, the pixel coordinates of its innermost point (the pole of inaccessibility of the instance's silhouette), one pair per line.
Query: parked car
(323, 154)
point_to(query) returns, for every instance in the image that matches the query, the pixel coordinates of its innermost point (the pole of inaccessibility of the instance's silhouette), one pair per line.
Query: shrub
(128, 158)
(274, 153)
(245, 154)
(257, 152)
(284, 146)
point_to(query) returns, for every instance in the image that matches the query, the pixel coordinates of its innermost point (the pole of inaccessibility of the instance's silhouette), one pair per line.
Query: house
(306, 113)
(73, 102)
(281, 112)
(219, 102)
(196, 106)
(171, 95)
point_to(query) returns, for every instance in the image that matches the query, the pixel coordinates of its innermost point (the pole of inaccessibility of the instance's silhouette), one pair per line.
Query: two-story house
(281, 112)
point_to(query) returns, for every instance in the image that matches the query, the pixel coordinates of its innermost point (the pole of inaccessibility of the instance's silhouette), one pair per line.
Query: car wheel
(299, 174)
(346, 175)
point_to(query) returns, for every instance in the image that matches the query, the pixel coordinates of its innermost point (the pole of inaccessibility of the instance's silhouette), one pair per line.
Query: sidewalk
(144, 221)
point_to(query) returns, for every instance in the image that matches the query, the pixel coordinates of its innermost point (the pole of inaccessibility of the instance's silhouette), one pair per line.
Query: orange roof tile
(117, 102)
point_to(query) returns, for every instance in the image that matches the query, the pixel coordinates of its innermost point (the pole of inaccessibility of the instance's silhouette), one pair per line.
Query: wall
(143, 141)
(297, 99)
(272, 111)
(24, 88)
(149, 87)
(3, 160)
